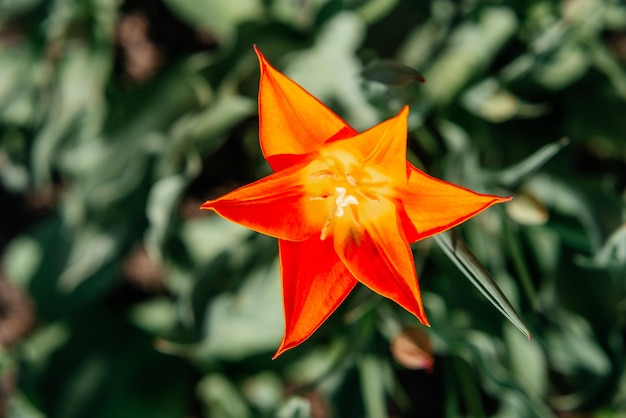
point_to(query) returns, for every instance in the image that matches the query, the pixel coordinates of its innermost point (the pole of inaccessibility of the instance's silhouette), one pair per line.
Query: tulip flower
(345, 206)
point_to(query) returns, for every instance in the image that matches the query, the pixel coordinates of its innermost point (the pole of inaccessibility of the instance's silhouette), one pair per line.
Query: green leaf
(157, 316)
(210, 127)
(518, 173)
(374, 10)
(198, 235)
(457, 251)
(160, 207)
(295, 407)
(565, 65)
(77, 107)
(471, 48)
(613, 253)
(221, 398)
(20, 407)
(528, 364)
(20, 69)
(391, 73)
(248, 322)
(372, 381)
(40, 345)
(265, 391)
(10, 9)
(567, 199)
(493, 102)
(92, 248)
(217, 17)
(572, 345)
(329, 70)
(22, 259)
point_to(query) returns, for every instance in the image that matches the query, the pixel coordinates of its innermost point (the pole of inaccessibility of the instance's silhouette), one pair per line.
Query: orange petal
(434, 205)
(291, 120)
(283, 161)
(275, 205)
(379, 256)
(315, 282)
(384, 146)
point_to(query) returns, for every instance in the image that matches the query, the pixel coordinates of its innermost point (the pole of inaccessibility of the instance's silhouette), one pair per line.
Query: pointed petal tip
(402, 115)
(284, 347)
(208, 205)
(500, 199)
(258, 52)
(263, 63)
(420, 314)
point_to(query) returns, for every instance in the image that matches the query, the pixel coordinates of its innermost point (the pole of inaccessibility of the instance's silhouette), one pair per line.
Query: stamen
(329, 221)
(355, 236)
(322, 174)
(342, 201)
(323, 196)
(355, 217)
(370, 195)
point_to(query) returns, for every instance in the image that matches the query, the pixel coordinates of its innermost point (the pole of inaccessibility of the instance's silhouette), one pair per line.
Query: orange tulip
(344, 205)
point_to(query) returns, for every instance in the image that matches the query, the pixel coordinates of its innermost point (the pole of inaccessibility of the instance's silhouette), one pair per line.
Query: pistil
(342, 201)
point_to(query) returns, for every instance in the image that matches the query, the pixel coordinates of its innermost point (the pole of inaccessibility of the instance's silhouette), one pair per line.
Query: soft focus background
(120, 298)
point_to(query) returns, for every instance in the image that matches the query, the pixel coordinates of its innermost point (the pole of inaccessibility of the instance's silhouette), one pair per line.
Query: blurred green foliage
(118, 298)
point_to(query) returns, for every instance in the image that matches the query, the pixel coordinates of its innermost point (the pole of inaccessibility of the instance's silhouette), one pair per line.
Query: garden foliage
(120, 298)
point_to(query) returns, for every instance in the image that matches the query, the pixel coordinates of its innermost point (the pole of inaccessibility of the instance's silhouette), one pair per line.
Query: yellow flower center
(345, 189)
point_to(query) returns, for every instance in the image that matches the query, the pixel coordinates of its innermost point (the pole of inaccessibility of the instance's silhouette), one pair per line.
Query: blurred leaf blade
(458, 252)
(391, 73)
(372, 386)
(516, 174)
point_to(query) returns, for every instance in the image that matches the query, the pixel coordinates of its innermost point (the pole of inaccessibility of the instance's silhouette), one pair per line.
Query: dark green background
(120, 298)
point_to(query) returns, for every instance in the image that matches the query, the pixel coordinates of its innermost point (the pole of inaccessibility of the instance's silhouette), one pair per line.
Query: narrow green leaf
(517, 173)
(454, 247)
(613, 252)
(528, 364)
(372, 386)
(468, 387)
